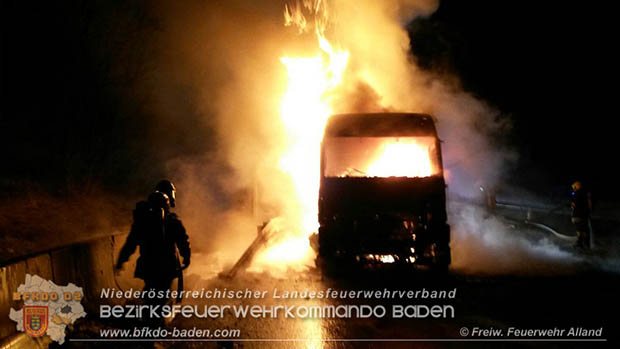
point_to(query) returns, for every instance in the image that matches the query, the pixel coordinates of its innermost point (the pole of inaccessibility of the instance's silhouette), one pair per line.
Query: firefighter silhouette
(581, 205)
(159, 233)
(166, 187)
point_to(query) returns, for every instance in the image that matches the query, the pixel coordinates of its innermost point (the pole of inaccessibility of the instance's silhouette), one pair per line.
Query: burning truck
(382, 191)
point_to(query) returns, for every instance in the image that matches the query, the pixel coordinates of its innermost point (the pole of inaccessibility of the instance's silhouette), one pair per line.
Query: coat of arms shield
(35, 320)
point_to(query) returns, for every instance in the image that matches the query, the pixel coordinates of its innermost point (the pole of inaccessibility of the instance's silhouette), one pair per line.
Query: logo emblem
(35, 320)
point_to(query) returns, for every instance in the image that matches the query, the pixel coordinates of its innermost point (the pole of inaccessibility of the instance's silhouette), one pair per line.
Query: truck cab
(382, 191)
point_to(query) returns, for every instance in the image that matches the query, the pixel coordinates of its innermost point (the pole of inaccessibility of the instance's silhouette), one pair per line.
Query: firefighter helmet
(165, 186)
(159, 200)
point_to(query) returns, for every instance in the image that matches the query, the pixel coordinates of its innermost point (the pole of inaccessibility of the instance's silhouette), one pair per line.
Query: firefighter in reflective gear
(158, 233)
(581, 205)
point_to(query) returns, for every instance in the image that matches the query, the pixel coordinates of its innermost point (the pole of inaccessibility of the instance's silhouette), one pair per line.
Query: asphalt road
(586, 299)
(555, 287)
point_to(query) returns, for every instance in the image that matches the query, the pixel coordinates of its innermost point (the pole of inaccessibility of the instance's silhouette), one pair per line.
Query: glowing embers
(385, 258)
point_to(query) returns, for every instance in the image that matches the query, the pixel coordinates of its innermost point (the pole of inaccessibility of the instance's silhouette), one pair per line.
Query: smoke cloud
(485, 244)
(228, 54)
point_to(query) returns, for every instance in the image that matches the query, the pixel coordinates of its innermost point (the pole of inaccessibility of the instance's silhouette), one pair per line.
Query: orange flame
(402, 159)
(304, 110)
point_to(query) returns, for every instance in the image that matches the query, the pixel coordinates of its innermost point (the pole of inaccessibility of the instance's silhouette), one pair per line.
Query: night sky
(72, 117)
(546, 65)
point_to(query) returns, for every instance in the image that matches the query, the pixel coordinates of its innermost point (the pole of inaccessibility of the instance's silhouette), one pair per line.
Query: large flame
(405, 158)
(304, 110)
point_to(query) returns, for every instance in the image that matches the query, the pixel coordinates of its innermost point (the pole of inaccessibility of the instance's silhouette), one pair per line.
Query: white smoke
(229, 53)
(482, 243)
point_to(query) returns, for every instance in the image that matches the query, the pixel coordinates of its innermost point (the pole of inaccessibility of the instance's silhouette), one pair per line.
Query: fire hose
(542, 227)
(551, 230)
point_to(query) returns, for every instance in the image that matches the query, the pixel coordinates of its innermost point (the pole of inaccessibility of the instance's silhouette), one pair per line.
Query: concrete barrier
(89, 265)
